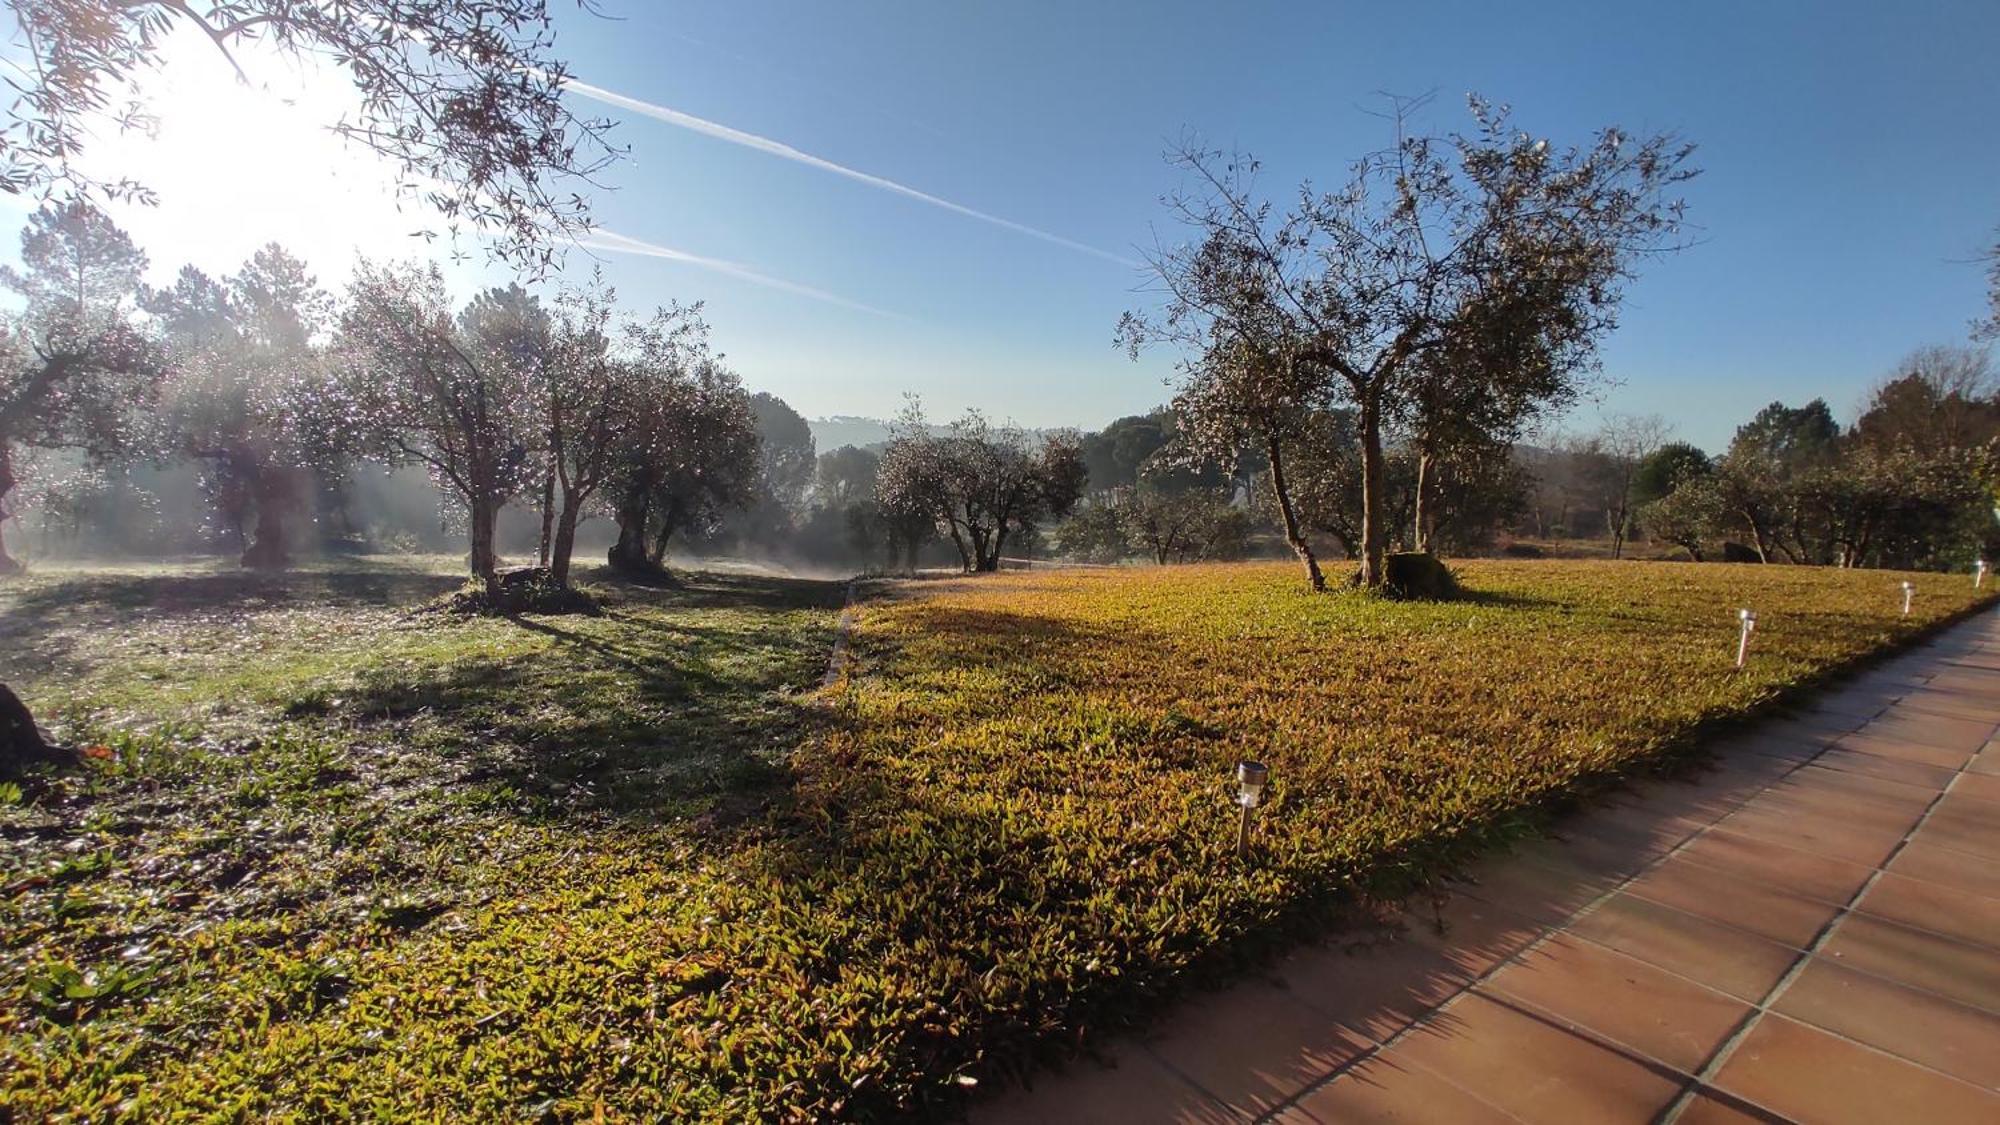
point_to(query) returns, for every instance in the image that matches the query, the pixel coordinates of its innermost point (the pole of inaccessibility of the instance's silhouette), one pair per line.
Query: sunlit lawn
(349, 860)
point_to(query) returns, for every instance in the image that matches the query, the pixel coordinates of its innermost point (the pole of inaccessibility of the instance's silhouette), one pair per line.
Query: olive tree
(1495, 256)
(453, 394)
(248, 394)
(74, 363)
(691, 453)
(980, 484)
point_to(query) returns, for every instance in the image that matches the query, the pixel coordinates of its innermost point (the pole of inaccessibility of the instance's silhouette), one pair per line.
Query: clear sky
(1851, 156)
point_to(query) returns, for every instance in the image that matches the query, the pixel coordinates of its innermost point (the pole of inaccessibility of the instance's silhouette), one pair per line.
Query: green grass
(341, 860)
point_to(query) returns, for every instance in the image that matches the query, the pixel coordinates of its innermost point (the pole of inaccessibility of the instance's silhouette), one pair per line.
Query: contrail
(601, 239)
(786, 152)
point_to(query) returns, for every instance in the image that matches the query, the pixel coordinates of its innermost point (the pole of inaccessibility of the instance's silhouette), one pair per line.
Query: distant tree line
(1910, 484)
(277, 391)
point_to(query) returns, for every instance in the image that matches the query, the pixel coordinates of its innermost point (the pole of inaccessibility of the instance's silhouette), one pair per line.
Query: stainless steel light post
(1251, 778)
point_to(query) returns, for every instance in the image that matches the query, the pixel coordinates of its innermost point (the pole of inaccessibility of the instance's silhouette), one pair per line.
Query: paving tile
(1622, 999)
(1809, 1075)
(1853, 810)
(1136, 1088)
(1985, 763)
(1808, 873)
(1823, 834)
(1958, 870)
(1697, 799)
(1917, 774)
(1818, 777)
(1533, 1068)
(1569, 871)
(1853, 702)
(1254, 1045)
(1935, 907)
(1794, 741)
(1473, 935)
(1920, 1026)
(1721, 957)
(1775, 912)
(1902, 749)
(1952, 705)
(1968, 831)
(1946, 966)
(1505, 903)
(1960, 735)
(1384, 1090)
(1979, 787)
(1619, 833)
(1374, 990)
(1972, 681)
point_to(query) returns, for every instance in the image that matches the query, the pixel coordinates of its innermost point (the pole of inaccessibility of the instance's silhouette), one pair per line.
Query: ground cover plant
(332, 858)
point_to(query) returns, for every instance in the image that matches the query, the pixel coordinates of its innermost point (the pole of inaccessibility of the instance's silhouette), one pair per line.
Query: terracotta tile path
(1808, 932)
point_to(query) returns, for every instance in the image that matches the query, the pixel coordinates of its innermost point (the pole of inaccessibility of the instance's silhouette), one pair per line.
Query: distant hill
(847, 429)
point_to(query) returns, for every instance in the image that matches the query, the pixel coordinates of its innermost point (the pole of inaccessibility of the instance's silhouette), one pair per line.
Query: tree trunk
(548, 514)
(1294, 537)
(565, 538)
(485, 561)
(7, 563)
(1373, 470)
(1420, 529)
(629, 553)
(965, 559)
(267, 545)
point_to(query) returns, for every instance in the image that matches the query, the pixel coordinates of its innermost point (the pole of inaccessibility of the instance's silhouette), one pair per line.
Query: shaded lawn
(360, 863)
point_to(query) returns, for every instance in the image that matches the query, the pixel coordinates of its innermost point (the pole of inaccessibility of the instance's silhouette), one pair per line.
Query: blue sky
(1851, 155)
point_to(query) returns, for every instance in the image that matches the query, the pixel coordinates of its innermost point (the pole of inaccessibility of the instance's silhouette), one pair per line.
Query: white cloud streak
(784, 151)
(616, 243)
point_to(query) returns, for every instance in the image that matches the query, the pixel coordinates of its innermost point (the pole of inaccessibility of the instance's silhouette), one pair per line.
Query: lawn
(339, 859)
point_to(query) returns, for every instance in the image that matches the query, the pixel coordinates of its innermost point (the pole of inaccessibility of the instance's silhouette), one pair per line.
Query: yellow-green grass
(363, 864)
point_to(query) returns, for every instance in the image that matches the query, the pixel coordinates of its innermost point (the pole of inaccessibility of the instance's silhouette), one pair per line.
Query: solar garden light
(1979, 574)
(1747, 619)
(1250, 780)
(1909, 591)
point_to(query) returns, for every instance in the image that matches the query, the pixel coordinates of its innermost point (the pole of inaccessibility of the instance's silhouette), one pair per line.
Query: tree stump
(21, 742)
(1418, 576)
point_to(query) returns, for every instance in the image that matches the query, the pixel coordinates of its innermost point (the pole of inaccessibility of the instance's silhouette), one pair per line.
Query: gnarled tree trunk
(485, 560)
(7, 482)
(565, 538)
(1294, 536)
(1373, 469)
(267, 544)
(628, 554)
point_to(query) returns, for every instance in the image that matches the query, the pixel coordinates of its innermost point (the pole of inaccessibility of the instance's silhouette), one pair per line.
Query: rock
(1737, 552)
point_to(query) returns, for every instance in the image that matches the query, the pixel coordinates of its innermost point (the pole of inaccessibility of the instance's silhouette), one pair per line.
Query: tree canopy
(1491, 259)
(464, 96)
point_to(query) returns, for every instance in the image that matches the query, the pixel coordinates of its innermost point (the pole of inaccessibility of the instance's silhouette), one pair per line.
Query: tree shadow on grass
(127, 597)
(45, 626)
(676, 703)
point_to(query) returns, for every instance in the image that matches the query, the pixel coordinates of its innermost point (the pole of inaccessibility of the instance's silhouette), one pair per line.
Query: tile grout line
(1727, 1050)
(1543, 938)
